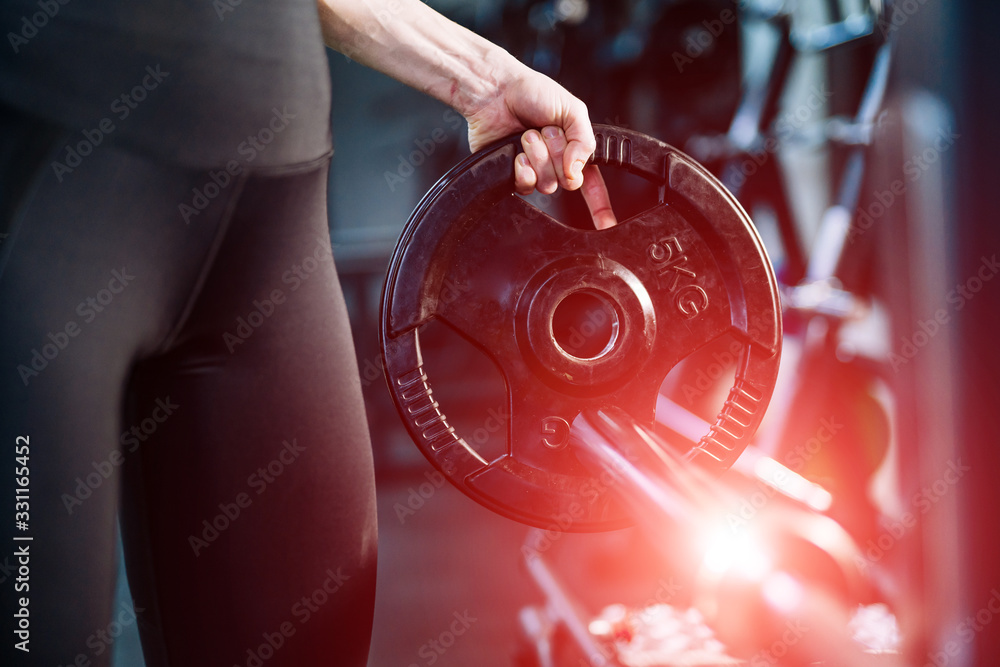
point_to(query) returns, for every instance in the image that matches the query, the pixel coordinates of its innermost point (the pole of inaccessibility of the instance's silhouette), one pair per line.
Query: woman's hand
(554, 156)
(495, 92)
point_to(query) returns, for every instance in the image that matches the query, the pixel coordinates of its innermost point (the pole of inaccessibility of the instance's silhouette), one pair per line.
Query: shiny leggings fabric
(194, 367)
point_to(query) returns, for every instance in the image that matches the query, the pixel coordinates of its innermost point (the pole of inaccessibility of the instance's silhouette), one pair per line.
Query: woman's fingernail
(531, 136)
(522, 160)
(550, 132)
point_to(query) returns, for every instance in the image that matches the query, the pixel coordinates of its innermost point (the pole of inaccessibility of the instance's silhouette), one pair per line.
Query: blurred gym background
(679, 70)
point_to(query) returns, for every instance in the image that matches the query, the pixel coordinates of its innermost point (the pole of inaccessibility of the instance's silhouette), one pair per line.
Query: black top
(195, 82)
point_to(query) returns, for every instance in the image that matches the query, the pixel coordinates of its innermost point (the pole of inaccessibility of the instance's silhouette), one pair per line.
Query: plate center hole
(585, 325)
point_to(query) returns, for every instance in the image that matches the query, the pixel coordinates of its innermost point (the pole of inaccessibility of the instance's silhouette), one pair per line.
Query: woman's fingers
(595, 193)
(524, 176)
(543, 164)
(539, 148)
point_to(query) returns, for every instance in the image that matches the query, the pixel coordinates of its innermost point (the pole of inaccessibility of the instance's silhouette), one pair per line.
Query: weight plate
(504, 275)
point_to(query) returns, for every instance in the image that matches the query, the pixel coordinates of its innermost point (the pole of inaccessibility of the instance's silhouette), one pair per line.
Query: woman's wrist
(475, 76)
(412, 43)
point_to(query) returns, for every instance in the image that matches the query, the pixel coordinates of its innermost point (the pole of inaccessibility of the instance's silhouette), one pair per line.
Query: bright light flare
(739, 552)
(792, 484)
(783, 592)
(600, 628)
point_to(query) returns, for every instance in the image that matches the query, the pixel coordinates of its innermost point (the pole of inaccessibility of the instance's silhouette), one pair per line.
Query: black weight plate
(658, 286)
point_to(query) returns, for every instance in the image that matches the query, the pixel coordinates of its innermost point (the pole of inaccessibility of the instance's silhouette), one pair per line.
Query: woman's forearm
(418, 46)
(497, 94)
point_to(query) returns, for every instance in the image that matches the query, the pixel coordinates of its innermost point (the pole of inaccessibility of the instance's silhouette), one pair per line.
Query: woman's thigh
(253, 503)
(202, 367)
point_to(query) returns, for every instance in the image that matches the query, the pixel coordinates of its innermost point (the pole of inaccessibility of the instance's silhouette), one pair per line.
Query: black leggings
(195, 363)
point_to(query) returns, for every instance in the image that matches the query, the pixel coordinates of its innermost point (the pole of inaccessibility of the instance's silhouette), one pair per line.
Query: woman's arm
(495, 92)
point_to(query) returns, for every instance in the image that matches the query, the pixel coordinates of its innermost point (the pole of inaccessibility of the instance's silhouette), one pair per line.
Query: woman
(173, 329)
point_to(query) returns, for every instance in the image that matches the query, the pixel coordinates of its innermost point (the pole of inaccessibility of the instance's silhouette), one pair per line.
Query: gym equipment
(576, 319)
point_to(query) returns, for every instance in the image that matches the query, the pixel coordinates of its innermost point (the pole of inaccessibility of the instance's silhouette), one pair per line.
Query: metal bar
(828, 250)
(669, 495)
(562, 608)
